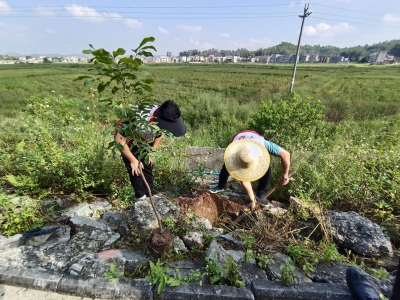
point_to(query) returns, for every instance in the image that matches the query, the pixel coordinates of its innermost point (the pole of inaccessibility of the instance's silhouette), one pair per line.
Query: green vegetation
(341, 126)
(356, 53)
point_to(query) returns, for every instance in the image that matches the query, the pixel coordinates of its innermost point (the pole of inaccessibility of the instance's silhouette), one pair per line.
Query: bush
(63, 153)
(293, 123)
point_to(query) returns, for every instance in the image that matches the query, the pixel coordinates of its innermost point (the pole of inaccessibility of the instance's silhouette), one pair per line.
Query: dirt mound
(211, 206)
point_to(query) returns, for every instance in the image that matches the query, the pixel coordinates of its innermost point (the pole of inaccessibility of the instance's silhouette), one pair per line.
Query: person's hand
(136, 168)
(253, 205)
(283, 180)
(151, 161)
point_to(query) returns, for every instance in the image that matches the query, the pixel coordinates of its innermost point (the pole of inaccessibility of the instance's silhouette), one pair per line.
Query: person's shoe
(265, 203)
(141, 198)
(215, 190)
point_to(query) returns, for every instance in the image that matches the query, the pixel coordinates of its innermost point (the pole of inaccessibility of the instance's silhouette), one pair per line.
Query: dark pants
(137, 181)
(262, 182)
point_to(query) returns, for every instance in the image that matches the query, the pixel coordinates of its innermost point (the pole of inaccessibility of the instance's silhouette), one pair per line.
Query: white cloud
(91, 15)
(200, 45)
(163, 30)
(390, 19)
(45, 11)
(113, 16)
(49, 31)
(85, 13)
(132, 23)
(324, 30)
(4, 7)
(225, 34)
(195, 29)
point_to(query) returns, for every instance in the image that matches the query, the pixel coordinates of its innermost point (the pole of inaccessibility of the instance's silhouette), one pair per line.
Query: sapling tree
(125, 87)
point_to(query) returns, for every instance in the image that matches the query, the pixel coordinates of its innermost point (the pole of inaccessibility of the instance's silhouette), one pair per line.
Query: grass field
(349, 158)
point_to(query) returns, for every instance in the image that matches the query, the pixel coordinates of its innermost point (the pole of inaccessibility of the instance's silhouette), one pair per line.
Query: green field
(345, 148)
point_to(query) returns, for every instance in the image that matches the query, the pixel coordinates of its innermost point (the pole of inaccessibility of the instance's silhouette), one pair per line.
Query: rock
(194, 239)
(236, 255)
(88, 224)
(274, 271)
(248, 272)
(352, 231)
(217, 253)
(142, 212)
(12, 242)
(179, 245)
(200, 223)
(230, 238)
(117, 222)
(87, 209)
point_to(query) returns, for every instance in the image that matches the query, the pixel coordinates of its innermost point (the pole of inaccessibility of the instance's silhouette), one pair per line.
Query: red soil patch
(208, 205)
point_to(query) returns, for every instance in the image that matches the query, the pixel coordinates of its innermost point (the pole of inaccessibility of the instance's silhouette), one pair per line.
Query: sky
(68, 27)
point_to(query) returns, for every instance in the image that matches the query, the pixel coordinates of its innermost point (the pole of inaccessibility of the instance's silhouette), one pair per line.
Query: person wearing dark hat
(167, 116)
(247, 159)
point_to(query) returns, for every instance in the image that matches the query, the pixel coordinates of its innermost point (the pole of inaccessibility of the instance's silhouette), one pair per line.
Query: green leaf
(145, 53)
(128, 60)
(82, 77)
(87, 51)
(101, 87)
(149, 47)
(88, 80)
(119, 51)
(144, 41)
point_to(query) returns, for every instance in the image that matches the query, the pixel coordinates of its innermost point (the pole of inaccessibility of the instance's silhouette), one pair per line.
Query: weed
(114, 273)
(380, 273)
(287, 275)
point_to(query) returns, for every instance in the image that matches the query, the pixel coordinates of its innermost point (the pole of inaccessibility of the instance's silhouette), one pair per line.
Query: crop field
(341, 126)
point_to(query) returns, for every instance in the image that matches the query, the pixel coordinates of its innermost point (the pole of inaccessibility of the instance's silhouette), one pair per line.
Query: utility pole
(304, 16)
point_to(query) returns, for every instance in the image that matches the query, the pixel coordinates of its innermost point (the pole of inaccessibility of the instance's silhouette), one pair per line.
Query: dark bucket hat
(175, 126)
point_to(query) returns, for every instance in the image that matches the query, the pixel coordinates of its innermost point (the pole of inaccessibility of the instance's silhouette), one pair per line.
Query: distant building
(169, 54)
(313, 58)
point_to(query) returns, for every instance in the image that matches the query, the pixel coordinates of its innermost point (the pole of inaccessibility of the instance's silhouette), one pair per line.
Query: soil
(161, 243)
(211, 206)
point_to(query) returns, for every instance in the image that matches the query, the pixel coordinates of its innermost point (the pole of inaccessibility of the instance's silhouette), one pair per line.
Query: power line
(346, 9)
(356, 22)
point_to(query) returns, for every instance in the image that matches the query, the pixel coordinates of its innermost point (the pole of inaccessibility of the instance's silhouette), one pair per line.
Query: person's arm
(250, 193)
(285, 163)
(126, 152)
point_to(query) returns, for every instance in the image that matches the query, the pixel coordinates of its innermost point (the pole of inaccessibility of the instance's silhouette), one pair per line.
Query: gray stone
(38, 240)
(87, 224)
(217, 253)
(275, 290)
(133, 259)
(31, 278)
(105, 289)
(117, 222)
(274, 271)
(249, 272)
(83, 210)
(115, 237)
(206, 157)
(236, 255)
(87, 209)
(12, 242)
(230, 238)
(352, 231)
(200, 223)
(194, 239)
(142, 212)
(206, 292)
(179, 245)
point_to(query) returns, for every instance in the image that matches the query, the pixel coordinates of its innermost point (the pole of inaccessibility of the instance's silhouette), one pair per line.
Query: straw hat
(246, 160)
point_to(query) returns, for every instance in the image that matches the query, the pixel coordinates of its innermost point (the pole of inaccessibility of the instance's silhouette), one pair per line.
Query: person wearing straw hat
(247, 159)
(167, 116)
